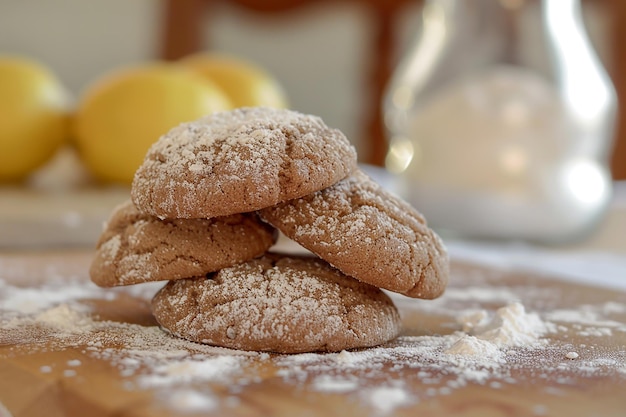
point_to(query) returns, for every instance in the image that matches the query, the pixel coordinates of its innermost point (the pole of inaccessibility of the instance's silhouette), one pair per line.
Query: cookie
(136, 247)
(240, 161)
(278, 303)
(367, 233)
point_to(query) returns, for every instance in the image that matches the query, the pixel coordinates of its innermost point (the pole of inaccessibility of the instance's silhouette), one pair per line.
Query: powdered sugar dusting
(511, 326)
(281, 304)
(112, 247)
(261, 155)
(191, 401)
(219, 368)
(21, 300)
(387, 399)
(368, 233)
(470, 357)
(509, 342)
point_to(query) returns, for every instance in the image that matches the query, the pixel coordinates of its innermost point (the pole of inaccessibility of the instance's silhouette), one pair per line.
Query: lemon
(246, 84)
(124, 112)
(33, 116)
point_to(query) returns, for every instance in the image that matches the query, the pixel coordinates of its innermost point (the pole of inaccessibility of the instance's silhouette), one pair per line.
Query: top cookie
(367, 233)
(240, 161)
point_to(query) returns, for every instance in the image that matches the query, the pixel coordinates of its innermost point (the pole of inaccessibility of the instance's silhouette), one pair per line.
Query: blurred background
(333, 58)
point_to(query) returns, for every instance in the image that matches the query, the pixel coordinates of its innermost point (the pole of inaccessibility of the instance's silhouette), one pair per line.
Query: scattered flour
(18, 300)
(511, 326)
(472, 346)
(73, 362)
(64, 319)
(326, 383)
(490, 348)
(387, 399)
(591, 320)
(218, 368)
(191, 401)
(571, 355)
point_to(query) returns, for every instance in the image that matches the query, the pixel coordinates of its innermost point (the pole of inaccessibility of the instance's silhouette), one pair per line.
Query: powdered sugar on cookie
(278, 303)
(367, 233)
(240, 161)
(136, 248)
(417, 368)
(234, 164)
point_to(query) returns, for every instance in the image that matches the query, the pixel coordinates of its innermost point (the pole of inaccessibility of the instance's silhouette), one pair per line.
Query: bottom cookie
(278, 303)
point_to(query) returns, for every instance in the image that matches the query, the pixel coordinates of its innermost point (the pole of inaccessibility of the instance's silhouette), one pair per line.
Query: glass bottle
(500, 121)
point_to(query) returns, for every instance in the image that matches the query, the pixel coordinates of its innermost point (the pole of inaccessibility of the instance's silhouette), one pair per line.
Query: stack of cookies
(206, 206)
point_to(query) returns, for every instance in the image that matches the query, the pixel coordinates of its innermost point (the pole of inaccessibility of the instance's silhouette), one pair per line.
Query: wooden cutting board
(68, 348)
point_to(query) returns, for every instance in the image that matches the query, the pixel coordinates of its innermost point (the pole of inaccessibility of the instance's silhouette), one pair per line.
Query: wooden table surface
(126, 366)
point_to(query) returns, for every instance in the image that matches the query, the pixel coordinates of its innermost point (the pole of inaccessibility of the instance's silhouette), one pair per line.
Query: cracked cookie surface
(240, 161)
(137, 247)
(367, 233)
(278, 303)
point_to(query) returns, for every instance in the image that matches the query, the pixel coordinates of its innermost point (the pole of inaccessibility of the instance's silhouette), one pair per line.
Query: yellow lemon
(246, 84)
(123, 113)
(33, 116)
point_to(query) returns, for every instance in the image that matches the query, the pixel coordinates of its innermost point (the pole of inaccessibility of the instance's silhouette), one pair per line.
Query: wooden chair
(618, 72)
(182, 34)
